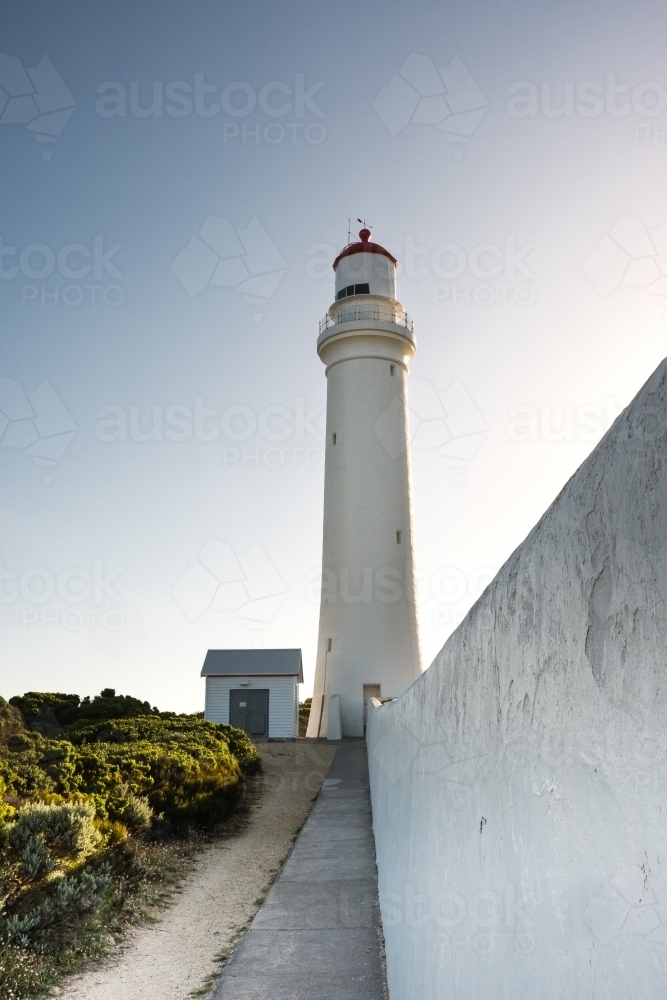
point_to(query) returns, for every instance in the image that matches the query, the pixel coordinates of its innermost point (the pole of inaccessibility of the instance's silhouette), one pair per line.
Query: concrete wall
(520, 785)
(283, 701)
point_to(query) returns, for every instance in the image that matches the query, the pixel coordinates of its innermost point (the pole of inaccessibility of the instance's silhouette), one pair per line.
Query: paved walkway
(317, 935)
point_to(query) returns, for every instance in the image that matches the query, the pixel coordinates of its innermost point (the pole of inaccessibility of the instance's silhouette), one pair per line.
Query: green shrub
(6, 810)
(11, 721)
(35, 858)
(304, 715)
(138, 815)
(134, 811)
(187, 769)
(109, 705)
(79, 790)
(51, 925)
(182, 729)
(69, 708)
(43, 833)
(65, 707)
(112, 831)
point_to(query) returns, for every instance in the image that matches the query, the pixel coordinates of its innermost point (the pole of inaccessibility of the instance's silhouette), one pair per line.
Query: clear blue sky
(534, 325)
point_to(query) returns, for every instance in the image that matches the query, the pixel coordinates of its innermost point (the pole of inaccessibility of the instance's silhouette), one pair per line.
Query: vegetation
(100, 799)
(304, 715)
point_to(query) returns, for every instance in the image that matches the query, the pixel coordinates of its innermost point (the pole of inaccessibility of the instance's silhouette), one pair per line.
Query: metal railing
(350, 314)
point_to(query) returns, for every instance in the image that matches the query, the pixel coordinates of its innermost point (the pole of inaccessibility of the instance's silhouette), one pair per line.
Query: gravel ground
(177, 955)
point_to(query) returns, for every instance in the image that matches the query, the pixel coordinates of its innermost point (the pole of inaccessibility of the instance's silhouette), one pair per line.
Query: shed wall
(283, 701)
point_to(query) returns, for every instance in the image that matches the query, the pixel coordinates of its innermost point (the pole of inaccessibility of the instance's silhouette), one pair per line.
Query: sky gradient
(164, 274)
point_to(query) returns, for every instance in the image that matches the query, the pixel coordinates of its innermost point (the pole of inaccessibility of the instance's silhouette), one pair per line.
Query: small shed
(254, 689)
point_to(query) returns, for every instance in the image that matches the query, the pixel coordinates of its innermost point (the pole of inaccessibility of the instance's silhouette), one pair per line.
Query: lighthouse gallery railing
(350, 314)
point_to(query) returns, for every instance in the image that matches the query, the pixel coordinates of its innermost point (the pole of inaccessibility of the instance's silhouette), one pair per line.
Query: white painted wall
(519, 787)
(367, 608)
(283, 701)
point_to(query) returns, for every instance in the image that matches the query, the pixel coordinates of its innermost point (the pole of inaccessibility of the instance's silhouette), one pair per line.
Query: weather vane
(349, 228)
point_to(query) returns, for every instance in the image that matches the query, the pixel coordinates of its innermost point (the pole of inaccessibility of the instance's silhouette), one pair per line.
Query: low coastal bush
(89, 787)
(69, 708)
(304, 715)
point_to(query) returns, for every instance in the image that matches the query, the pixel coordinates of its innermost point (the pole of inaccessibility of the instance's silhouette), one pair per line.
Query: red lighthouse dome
(365, 268)
(364, 246)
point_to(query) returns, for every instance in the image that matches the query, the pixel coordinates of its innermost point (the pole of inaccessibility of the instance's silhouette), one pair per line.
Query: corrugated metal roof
(253, 663)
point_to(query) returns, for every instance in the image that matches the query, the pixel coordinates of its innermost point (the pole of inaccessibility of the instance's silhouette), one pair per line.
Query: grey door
(249, 710)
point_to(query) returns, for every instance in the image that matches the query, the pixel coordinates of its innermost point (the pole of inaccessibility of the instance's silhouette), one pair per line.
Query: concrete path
(317, 935)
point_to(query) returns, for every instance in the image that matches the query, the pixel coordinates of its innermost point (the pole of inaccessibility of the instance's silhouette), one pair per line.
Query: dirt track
(171, 958)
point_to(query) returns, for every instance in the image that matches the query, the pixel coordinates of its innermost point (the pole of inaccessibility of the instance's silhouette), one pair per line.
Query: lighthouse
(368, 643)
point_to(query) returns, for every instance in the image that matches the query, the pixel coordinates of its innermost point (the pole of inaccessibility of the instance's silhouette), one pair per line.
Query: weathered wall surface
(520, 785)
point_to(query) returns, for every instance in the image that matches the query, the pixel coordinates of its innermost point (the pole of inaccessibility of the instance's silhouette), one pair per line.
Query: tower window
(354, 290)
(328, 645)
(333, 437)
(392, 369)
(399, 537)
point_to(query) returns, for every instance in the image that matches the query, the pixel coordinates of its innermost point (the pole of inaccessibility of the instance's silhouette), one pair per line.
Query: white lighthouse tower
(368, 641)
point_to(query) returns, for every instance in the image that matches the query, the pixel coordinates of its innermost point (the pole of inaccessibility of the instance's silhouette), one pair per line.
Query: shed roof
(253, 663)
